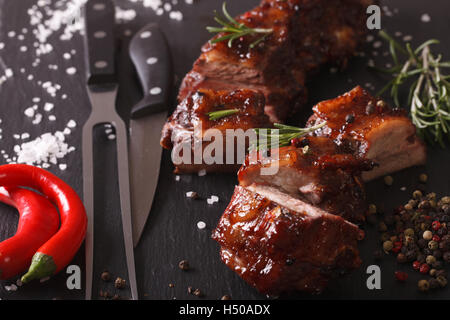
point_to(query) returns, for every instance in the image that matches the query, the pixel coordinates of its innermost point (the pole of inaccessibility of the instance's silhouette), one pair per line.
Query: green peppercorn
(388, 180)
(427, 235)
(387, 246)
(384, 237)
(417, 194)
(433, 272)
(431, 196)
(408, 207)
(445, 200)
(430, 260)
(442, 281)
(409, 232)
(425, 204)
(372, 209)
(423, 178)
(433, 245)
(423, 285)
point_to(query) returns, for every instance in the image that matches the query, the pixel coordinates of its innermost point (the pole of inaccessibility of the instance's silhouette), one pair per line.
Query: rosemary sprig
(214, 115)
(429, 93)
(234, 29)
(281, 136)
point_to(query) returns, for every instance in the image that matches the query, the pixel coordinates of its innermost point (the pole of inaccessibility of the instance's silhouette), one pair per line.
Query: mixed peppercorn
(419, 233)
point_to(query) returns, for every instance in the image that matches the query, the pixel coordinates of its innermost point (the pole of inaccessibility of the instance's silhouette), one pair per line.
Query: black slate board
(171, 233)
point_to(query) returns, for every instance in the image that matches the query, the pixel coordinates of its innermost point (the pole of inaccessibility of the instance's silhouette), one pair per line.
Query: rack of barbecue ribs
(190, 127)
(370, 129)
(295, 229)
(289, 231)
(306, 34)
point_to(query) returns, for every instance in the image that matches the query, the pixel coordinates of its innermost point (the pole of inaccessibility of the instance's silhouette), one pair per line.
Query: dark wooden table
(171, 233)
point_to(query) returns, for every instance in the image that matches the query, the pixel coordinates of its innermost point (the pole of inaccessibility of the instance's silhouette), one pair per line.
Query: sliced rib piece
(306, 35)
(372, 130)
(279, 244)
(190, 123)
(319, 174)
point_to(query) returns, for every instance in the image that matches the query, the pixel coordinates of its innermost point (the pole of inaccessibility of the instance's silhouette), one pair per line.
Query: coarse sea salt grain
(201, 225)
(425, 18)
(48, 106)
(47, 148)
(29, 112)
(71, 70)
(124, 15)
(71, 124)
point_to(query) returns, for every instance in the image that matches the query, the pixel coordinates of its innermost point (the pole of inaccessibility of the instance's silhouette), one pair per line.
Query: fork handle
(99, 42)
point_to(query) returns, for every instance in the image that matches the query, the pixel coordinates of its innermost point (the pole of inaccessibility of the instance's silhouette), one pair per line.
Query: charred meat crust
(279, 249)
(321, 176)
(190, 123)
(306, 34)
(370, 129)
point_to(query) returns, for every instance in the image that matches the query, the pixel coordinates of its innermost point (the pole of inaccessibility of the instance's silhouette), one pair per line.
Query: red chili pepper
(38, 221)
(57, 252)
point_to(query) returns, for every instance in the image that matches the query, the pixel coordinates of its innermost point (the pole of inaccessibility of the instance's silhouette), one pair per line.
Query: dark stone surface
(171, 234)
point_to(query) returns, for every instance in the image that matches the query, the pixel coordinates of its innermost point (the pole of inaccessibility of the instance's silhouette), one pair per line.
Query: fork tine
(88, 199)
(124, 191)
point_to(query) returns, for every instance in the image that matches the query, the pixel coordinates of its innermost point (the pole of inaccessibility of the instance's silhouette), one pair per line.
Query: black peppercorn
(197, 293)
(350, 118)
(434, 283)
(290, 262)
(446, 257)
(183, 265)
(437, 254)
(438, 265)
(370, 108)
(106, 276)
(401, 258)
(119, 283)
(441, 273)
(421, 258)
(411, 255)
(422, 243)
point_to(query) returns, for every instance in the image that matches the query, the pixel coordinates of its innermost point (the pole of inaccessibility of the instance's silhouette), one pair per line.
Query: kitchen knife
(102, 91)
(151, 56)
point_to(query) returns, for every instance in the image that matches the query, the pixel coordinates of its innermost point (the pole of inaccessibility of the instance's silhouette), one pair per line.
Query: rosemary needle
(234, 29)
(214, 115)
(281, 136)
(429, 93)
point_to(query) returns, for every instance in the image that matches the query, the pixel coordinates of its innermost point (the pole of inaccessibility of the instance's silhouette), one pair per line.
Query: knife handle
(150, 54)
(99, 41)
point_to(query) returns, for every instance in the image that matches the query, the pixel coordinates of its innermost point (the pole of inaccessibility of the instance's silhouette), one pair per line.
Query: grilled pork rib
(190, 123)
(306, 35)
(279, 244)
(318, 174)
(370, 129)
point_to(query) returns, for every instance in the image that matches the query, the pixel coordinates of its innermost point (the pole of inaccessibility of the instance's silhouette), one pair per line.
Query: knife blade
(102, 90)
(150, 54)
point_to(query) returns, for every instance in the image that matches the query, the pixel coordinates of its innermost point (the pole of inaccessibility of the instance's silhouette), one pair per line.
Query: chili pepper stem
(41, 266)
